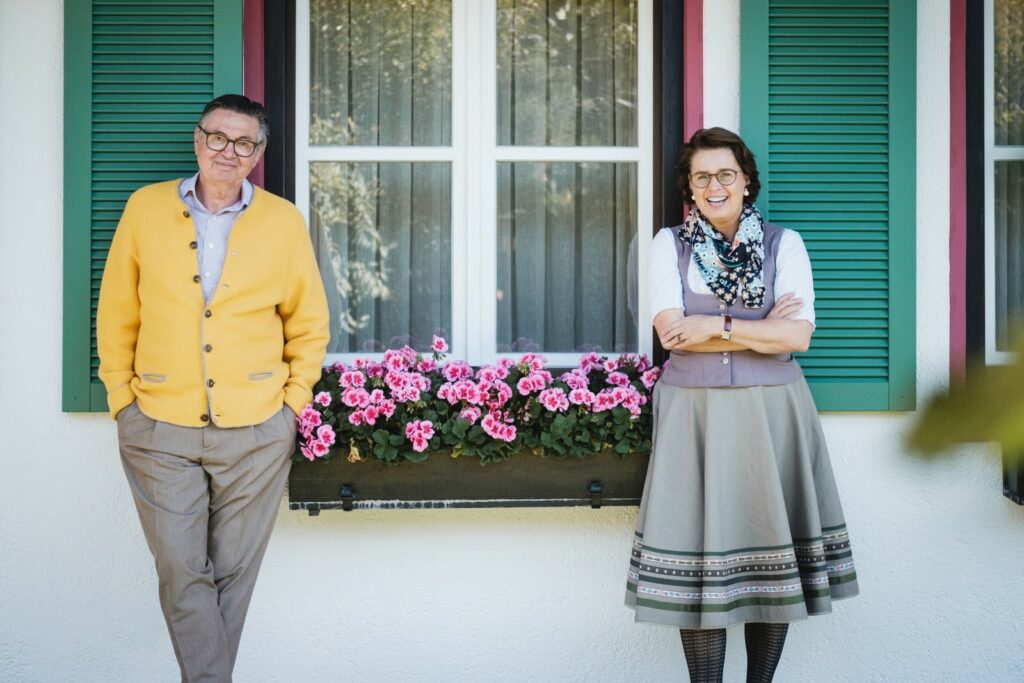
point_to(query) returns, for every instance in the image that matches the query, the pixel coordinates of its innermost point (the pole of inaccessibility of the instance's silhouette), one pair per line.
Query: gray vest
(734, 368)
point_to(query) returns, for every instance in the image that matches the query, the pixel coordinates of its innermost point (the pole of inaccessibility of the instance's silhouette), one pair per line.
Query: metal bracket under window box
(1013, 477)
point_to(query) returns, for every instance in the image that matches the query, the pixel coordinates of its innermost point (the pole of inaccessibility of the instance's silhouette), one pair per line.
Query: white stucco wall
(467, 596)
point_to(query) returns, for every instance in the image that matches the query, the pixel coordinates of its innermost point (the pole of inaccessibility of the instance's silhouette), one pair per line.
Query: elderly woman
(740, 520)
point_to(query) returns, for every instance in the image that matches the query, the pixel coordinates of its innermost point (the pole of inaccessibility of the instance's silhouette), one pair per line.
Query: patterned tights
(705, 652)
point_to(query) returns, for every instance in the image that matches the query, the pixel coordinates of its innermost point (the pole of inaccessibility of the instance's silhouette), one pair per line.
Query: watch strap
(727, 328)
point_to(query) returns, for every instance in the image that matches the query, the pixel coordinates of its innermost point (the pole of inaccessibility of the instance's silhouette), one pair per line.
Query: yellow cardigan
(259, 343)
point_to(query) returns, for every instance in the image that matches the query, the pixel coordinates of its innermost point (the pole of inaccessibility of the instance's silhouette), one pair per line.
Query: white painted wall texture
(468, 596)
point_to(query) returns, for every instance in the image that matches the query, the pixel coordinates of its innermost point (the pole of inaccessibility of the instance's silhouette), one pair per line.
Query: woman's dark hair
(718, 138)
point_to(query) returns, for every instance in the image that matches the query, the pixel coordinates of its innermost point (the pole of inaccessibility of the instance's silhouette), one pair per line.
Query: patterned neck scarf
(729, 268)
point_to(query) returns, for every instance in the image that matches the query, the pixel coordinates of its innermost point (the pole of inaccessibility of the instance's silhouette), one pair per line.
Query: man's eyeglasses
(726, 176)
(218, 142)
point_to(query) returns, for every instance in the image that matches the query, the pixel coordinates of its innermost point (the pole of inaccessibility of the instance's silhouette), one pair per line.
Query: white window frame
(993, 154)
(474, 155)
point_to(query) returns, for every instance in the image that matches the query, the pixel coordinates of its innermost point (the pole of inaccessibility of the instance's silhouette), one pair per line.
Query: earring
(746, 192)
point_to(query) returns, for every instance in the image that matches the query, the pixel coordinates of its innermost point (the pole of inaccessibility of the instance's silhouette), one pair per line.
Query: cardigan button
(195, 278)
(207, 313)
(204, 417)
(193, 245)
(186, 214)
(210, 382)
(208, 348)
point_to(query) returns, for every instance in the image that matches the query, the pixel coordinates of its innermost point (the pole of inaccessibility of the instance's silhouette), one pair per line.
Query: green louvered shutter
(828, 106)
(136, 76)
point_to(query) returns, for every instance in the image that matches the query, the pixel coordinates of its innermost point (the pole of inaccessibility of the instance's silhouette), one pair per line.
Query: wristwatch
(727, 328)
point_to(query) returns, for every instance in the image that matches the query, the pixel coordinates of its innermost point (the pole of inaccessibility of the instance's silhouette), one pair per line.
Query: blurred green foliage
(988, 407)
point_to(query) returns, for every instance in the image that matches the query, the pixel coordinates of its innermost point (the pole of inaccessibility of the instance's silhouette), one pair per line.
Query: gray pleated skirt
(740, 519)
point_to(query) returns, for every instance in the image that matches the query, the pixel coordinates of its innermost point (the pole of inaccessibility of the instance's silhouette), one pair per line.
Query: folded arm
(777, 333)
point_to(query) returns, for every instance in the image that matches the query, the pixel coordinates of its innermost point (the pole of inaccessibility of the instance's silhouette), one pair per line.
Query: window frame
(993, 154)
(474, 153)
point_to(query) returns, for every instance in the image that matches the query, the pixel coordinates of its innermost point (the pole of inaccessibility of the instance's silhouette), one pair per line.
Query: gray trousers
(208, 499)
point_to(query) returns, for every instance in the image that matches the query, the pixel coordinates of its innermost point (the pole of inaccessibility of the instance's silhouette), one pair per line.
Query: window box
(526, 480)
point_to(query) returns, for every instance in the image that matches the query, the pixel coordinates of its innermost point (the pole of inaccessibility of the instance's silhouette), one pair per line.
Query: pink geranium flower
(470, 414)
(619, 379)
(554, 400)
(439, 345)
(456, 370)
(325, 434)
(576, 379)
(395, 361)
(419, 432)
(650, 377)
(532, 361)
(603, 401)
(581, 397)
(406, 395)
(504, 393)
(355, 397)
(353, 378)
(323, 398)
(491, 425)
(318, 448)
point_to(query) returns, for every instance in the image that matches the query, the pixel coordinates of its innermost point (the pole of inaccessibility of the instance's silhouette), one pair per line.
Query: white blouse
(792, 274)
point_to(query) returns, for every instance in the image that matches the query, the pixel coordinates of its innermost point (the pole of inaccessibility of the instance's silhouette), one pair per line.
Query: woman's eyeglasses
(726, 176)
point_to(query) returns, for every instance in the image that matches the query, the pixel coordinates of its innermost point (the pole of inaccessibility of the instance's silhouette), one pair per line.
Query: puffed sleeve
(793, 273)
(666, 289)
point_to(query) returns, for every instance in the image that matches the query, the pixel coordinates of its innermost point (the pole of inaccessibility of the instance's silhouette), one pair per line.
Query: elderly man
(212, 327)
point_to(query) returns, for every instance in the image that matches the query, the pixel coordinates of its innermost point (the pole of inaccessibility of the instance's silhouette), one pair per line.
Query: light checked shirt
(212, 231)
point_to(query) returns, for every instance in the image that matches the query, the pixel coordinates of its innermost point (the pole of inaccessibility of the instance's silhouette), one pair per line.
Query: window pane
(1009, 248)
(382, 233)
(1009, 72)
(567, 72)
(380, 72)
(567, 257)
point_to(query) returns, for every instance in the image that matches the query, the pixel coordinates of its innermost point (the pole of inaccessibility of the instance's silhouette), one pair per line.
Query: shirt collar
(188, 187)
